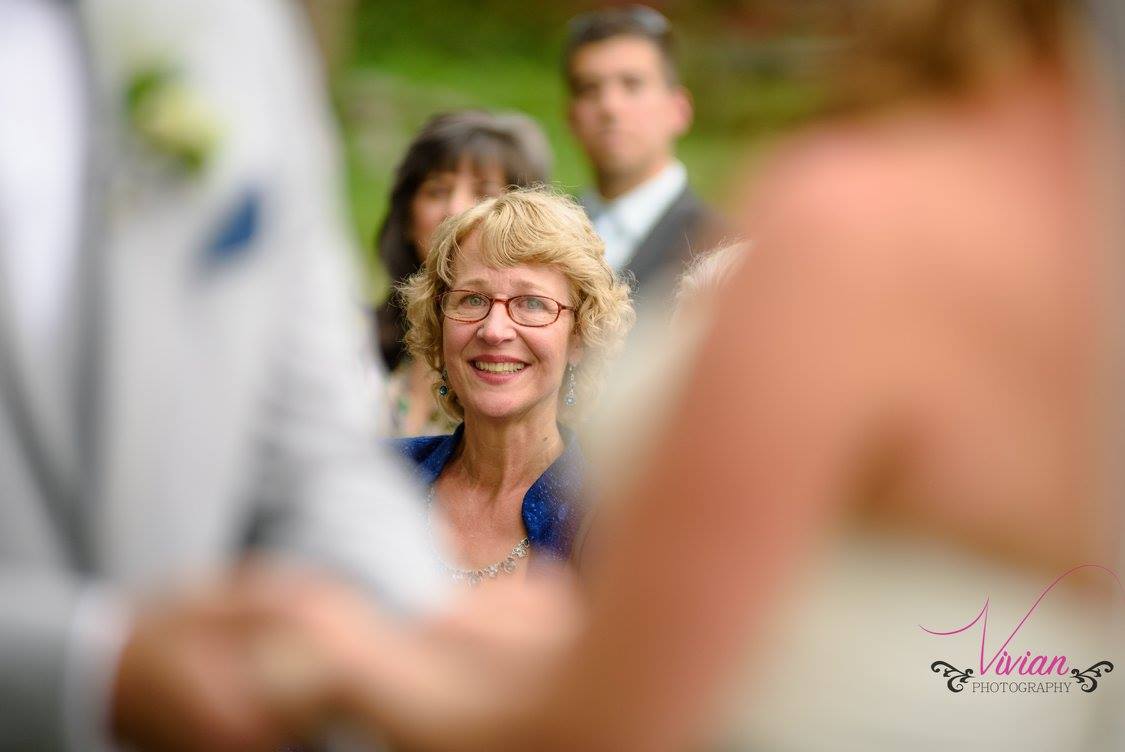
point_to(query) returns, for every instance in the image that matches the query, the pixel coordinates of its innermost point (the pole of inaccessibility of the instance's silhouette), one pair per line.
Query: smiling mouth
(509, 367)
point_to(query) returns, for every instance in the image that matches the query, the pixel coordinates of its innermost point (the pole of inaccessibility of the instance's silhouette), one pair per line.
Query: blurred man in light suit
(180, 366)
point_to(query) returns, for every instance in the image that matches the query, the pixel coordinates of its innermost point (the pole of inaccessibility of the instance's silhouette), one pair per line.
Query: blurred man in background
(180, 377)
(627, 109)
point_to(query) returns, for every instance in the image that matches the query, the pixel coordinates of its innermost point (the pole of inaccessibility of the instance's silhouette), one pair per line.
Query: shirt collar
(638, 210)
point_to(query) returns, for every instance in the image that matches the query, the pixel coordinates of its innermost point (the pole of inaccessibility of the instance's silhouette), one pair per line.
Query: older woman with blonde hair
(515, 310)
(456, 159)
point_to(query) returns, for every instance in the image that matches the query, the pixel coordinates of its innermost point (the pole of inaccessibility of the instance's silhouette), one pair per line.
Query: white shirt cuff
(98, 634)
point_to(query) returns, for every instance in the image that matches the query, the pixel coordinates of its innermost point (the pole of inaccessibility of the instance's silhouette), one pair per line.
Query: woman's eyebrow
(525, 286)
(519, 285)
(473, 283)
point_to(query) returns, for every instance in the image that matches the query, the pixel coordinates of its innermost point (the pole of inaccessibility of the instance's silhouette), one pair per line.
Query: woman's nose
(496, 326)
(459, 201)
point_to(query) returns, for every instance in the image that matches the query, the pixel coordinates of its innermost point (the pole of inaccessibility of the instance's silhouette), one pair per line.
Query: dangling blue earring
(571, 397)
(443, 390)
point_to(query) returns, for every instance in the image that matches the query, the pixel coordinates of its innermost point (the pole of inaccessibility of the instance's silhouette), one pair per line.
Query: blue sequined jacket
(552, 507)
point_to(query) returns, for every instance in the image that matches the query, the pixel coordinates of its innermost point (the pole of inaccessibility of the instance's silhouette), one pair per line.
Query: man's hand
(472, 678)
(275, 656)
(187, 678)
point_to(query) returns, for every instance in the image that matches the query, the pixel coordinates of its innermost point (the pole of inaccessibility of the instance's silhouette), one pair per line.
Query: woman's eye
(435, 191)
(474, 300)
(534, 304)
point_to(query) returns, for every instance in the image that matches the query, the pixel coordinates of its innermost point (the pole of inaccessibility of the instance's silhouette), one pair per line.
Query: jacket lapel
(40, 382)
(29, 436)
(669, 241)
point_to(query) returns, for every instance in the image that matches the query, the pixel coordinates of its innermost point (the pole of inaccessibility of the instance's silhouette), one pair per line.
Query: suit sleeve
(35, 617)
(59, 642)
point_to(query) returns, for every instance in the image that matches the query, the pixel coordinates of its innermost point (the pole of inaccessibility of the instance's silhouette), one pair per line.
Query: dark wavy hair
(511, 140)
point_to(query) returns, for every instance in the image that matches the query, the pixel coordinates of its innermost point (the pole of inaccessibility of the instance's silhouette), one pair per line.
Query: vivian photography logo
(1014, 670)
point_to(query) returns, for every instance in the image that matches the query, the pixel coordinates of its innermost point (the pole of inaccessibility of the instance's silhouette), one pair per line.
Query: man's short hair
(626, 21)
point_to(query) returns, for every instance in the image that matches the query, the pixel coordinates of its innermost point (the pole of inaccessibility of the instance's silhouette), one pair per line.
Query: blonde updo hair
(525, 226)
(709, 271)
(903, 48)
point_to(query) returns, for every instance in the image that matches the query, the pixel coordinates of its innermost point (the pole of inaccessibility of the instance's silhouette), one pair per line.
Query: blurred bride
(906, 405)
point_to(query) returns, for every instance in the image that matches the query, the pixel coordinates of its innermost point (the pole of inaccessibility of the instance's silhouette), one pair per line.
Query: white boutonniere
(170, 119)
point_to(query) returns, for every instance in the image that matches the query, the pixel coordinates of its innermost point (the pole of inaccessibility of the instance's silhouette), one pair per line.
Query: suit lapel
(29, 437)
(41, 384)
(669, 241)
(86, 331)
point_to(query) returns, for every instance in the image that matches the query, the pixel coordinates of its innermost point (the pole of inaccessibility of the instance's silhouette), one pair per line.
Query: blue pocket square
(238, 227)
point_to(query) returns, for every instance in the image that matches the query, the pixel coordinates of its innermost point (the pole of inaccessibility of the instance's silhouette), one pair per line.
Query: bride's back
(953, 230)
(995, 255)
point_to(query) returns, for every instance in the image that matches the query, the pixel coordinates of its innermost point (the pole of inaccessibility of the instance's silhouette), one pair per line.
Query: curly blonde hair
(525, 226)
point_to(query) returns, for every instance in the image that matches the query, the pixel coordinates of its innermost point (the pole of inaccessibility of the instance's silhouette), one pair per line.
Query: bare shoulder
(827, 211)
(895, 249)
(925, 203)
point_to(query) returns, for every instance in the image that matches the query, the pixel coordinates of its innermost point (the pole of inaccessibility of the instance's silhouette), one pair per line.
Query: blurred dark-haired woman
(456, 160)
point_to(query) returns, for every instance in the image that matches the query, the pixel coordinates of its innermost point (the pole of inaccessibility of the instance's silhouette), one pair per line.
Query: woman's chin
(494, 413)
(499, 410)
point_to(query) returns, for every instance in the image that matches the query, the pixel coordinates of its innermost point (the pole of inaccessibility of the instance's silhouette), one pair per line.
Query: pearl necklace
(474, 577)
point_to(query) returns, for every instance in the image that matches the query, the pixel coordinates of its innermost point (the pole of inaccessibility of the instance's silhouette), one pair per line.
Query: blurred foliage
(408, 59)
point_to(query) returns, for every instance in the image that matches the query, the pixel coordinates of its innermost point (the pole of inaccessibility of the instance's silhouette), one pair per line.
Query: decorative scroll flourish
(1088, 679)
(957, 678)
